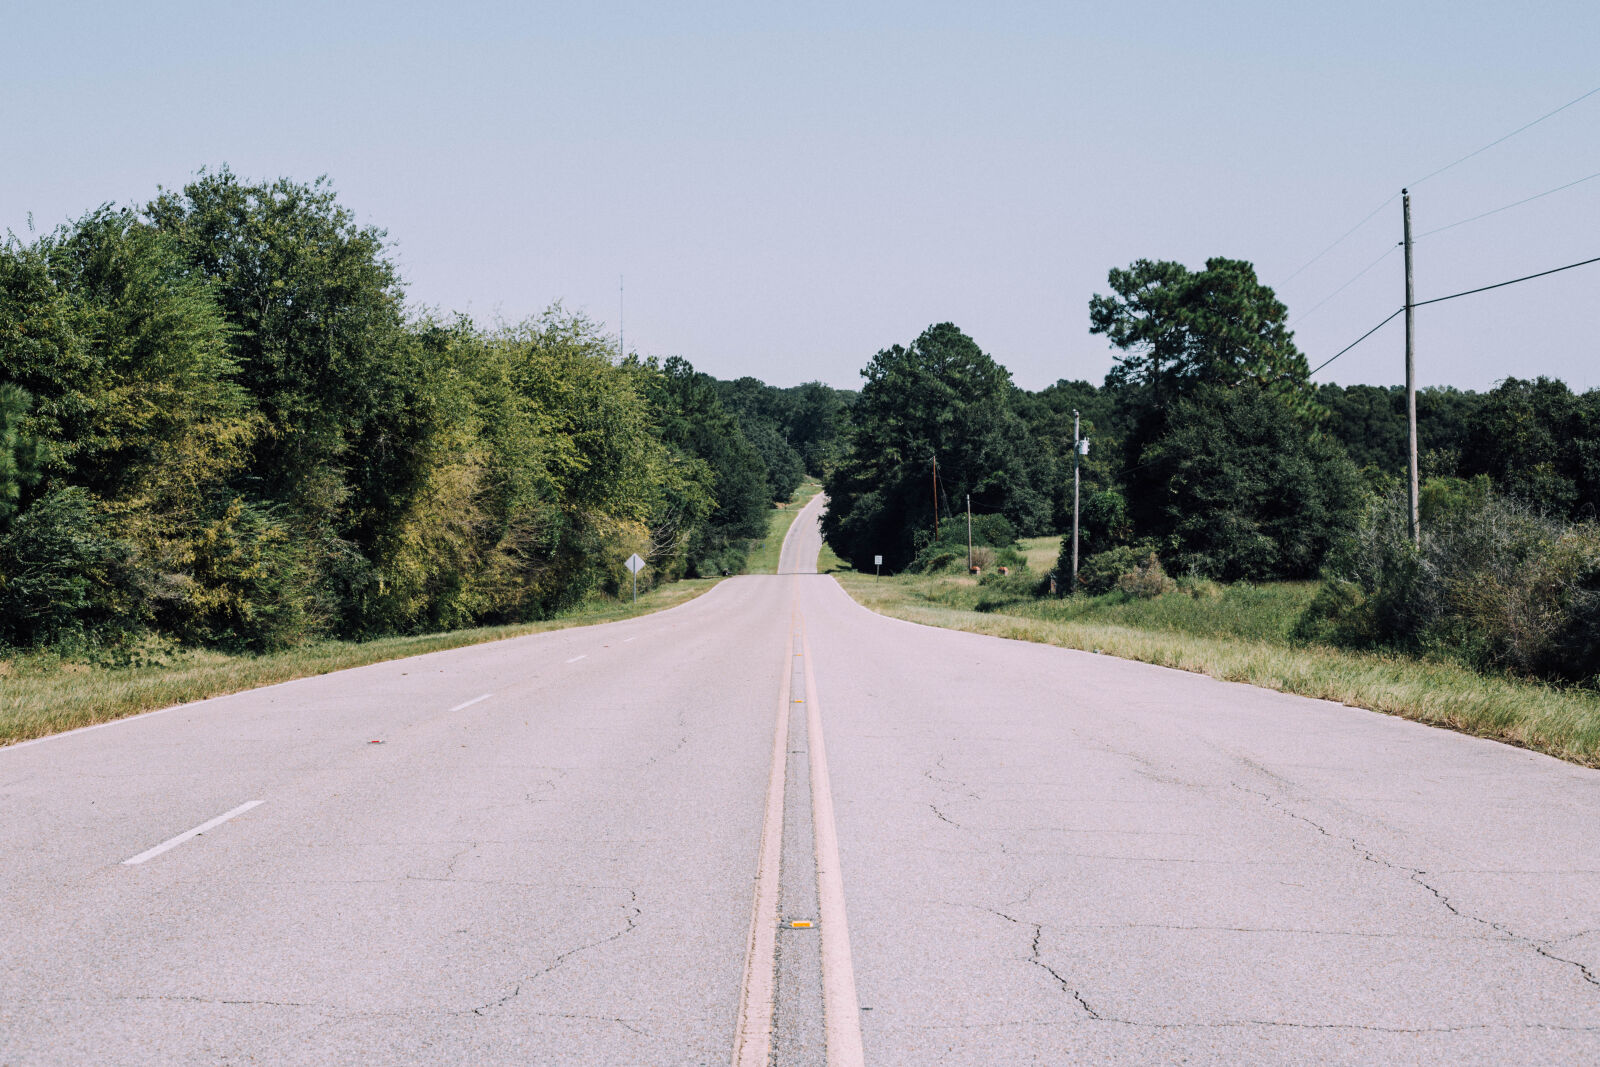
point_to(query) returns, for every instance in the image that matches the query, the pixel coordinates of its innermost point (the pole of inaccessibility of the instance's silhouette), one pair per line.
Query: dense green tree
(1179, 329)
(695, 422)
(1540, 443)
(1370, 421)
(21, 454)
(940, 398)
(1238, 486)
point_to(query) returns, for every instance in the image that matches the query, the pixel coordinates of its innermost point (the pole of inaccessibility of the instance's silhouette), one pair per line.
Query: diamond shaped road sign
(634, 563)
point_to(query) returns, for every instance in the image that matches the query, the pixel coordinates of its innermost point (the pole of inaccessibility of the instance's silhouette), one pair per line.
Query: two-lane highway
(770, 826)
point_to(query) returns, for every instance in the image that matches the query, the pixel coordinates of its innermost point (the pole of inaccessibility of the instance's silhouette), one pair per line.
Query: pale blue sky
(789, 189)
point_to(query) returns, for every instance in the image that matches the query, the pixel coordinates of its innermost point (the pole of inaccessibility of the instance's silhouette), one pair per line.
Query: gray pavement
(1048, 857)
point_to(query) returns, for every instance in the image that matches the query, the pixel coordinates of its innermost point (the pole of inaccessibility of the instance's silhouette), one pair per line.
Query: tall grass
(43, 694)
(1241, 634)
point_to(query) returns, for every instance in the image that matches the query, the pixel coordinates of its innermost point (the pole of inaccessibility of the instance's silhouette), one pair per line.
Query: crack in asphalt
(1418, 876)
(630, 918)
(184, 998)
(1036, 959)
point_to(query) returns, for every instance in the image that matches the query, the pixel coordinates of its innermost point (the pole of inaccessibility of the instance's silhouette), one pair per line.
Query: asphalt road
(601, 846)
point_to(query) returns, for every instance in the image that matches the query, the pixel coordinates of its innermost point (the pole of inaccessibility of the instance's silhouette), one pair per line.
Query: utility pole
(622, 346)
(1076, 456)
(1411, 375)
(935, 499)
(969, 533)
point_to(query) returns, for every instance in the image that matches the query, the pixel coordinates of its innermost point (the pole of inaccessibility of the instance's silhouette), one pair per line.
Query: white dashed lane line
(174, 842)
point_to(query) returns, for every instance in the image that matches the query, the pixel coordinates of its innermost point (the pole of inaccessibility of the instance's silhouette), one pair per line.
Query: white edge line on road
(575, 659)
(174, 842)
(625, 640)
(474, 700)
(752, 1040)
(841, 1011)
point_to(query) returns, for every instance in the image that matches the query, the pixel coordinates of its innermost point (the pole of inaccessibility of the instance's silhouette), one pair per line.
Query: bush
(1147, 580)
(1099, 573)
(63, 573)
(251, 586)
(1494, 584)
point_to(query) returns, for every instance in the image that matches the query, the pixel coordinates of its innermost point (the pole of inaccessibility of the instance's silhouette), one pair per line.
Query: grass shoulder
(41, 693)
(1241, 633)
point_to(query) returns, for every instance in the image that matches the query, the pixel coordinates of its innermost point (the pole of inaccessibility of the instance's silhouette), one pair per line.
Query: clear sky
(789, 188)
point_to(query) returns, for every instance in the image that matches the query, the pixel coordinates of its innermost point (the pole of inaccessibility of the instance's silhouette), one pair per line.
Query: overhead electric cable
(1307, 314)
(1501, 285)
(1372, 215)
(1357, 341)
(1508, 207)
(1507, 137)
(1434, 174)
(1453, 296)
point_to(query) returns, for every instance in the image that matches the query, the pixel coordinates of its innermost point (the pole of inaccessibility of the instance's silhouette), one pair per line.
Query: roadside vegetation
(223, 428)
(1239, 520)
(1246, 633)
(226, 437)
(45, 692)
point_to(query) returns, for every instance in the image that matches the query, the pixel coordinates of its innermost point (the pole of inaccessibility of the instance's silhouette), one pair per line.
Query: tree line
(1214, 456)
(222, 423)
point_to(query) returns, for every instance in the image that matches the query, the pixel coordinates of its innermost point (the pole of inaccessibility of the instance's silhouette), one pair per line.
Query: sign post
(877, 561)
(635, 565)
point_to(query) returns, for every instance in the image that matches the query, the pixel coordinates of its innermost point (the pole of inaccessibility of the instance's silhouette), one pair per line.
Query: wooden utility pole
(1076, 455)
(969, 533)
(1411, 375)
(936, 499)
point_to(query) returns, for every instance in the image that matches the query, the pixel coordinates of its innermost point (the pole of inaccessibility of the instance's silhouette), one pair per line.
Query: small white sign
(877, 561)
(634, 563)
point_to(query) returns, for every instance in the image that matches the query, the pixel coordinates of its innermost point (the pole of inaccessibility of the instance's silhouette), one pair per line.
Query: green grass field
(1040, 552)
(1241, 633)
(44, 694)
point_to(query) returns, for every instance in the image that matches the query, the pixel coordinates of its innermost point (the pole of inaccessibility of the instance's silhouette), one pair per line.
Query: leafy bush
(251, 585)
(1494, 584)
(1099, 573)
(63, 573)
(1147, 579)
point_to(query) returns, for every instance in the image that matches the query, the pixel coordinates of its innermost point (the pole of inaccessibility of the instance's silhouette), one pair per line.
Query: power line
(1307, 314)
(1357, 341)
(1508, 207)
(1501, 285)
(1500, 140)
(1372, 215)
(1441, 299)
(1507, 137)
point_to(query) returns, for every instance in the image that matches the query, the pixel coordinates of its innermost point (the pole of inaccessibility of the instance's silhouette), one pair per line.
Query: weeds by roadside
(1242, 633)
(42, 693)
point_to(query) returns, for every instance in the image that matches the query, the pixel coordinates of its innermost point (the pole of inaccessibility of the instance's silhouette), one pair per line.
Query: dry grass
(42, 694)
(1561, 722)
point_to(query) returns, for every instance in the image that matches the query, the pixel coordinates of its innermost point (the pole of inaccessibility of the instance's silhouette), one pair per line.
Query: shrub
(1494, 584)
(1099, 573)
(1147, 580)
(63, 573)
